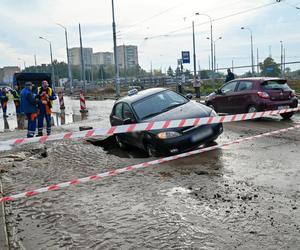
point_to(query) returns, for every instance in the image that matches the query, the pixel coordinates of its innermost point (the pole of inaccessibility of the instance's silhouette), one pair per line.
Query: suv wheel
(287, 115)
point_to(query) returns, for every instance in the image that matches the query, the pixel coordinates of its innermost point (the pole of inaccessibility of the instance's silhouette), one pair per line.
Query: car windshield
(276, 85)
(158, 103)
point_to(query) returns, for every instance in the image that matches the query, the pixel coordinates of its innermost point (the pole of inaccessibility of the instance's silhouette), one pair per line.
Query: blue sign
(185, 56)
(270, 69)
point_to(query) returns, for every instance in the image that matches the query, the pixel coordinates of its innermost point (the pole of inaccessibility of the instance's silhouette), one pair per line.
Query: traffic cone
(83, 108)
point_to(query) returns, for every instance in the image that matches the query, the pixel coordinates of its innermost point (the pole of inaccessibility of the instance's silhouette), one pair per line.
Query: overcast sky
(165, 23)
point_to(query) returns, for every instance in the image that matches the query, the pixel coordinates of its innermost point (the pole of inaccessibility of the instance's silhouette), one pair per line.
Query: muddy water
(72, 112)
(244, 197)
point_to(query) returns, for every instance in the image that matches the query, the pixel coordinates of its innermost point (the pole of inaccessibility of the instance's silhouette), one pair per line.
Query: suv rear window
(276, 85)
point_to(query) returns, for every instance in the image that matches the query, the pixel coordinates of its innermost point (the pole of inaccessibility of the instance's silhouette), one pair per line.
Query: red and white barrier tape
(137, 166)
(147, 126)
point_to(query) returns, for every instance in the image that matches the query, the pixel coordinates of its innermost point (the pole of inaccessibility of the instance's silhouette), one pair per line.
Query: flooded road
(244, 196)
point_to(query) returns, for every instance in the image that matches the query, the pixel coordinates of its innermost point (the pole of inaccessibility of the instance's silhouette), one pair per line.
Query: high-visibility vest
(49, 89)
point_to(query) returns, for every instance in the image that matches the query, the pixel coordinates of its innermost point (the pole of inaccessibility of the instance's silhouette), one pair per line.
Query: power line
(214, 20)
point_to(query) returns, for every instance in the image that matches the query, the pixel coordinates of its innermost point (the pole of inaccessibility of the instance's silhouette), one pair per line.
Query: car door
(240, 99)
(221, 101)
(116, 118)
(133, 138)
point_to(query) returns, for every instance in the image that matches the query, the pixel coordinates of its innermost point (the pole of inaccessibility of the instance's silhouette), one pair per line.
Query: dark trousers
(31, 124)
(197, 91)
(41, 117)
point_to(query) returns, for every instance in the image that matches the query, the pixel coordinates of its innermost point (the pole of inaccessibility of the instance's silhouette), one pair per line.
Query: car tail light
(263, 95)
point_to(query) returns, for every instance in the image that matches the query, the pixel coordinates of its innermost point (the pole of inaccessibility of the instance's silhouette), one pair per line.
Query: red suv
(255, 94)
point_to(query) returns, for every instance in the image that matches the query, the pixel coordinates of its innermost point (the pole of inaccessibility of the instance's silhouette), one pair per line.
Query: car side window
(118, 111)
(127, 113)
(229, 88)
(245, 85)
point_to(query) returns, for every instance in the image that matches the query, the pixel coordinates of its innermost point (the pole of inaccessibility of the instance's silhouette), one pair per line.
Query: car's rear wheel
(119, 142)
(287, 115)
(252, 109)
(151, 151)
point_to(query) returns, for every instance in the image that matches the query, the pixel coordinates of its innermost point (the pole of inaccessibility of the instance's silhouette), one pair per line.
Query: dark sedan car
(253, 94)
(159, 104)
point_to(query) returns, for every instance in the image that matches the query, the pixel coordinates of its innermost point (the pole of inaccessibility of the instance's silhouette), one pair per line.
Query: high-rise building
(127, 56)
(103, 58)
(75, 58)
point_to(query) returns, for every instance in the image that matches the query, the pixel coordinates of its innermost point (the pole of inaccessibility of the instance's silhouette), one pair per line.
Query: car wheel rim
(150, 150)
(252, 110)
(120, 144)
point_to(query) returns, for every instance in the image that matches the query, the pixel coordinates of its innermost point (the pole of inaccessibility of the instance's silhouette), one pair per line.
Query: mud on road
(245, 196)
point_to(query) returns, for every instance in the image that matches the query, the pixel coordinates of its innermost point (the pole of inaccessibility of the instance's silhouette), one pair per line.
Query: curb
(4, 245)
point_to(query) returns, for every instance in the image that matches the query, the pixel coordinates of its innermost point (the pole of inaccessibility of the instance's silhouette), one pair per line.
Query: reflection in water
(6, 126)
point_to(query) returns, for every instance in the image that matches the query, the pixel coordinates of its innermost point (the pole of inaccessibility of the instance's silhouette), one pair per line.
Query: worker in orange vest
(45, 96)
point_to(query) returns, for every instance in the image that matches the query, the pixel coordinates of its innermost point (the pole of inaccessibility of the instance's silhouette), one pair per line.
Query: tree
(170, 72)
(269, 67)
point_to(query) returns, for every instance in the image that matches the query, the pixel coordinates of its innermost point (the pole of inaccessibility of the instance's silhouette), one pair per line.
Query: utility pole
(35, 63)
(284, 62)
(281, 58)
(194, 50)
(257, 60)
(117, 78)
(125, 66)
(83, 78)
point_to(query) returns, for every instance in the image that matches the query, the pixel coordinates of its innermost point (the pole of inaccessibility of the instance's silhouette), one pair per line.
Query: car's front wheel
(119, 142)
(151, 151)
(287, 115)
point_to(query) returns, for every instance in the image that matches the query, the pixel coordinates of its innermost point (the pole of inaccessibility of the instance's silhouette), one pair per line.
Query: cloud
(137, 19)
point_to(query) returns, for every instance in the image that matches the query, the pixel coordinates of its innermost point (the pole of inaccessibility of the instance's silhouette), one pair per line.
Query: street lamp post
(117, 78)
(214, 60)
(211, 38)
(252, 57)
(68, 58)
(23, 62)
(51, 57)
(194, 51)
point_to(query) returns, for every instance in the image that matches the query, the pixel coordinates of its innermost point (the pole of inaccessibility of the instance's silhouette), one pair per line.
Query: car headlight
(168, 135)
(213, 113)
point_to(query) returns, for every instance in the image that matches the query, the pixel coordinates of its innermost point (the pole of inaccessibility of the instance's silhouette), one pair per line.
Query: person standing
(16, 94)
(29, 107)
(197, 85)
(230, 76)
(45, 96)
(4, 101)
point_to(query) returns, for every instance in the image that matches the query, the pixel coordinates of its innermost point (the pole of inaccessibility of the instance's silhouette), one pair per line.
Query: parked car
(159, 104)
(248, 95)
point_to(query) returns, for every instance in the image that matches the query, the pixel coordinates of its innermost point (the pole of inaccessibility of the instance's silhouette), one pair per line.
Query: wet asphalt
(244, 196)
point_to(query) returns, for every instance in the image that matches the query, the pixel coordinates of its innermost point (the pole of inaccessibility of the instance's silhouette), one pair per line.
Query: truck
(36, 78)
